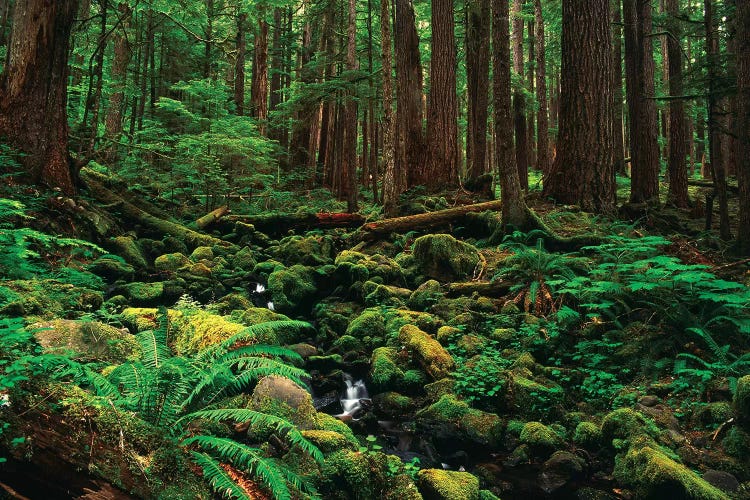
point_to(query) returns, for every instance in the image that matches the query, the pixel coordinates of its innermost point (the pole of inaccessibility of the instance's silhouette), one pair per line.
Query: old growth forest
(375, 249)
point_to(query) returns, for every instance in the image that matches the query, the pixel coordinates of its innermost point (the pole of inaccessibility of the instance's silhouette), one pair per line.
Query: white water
(351, 399)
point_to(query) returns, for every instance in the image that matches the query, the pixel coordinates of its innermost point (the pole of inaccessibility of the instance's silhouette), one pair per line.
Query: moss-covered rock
(201, 254)
(244, 260)
(393, 405)
(354, 266)
(741, 401)
(437, 484)
(376, 294)
(626, 423)
(47, 299)
(88, 340)
(127, 248)
(540, 439)
(369, 324)
(292, 290)
(283, 398)
(144, 294)
(305, 250)
(328, 441)
(200, 329)
(170, 262)
(531, 398)
(385, 374)
(444, 258)
(432, 357)
(653, 474)
(450, 419)
(588, 435)
(112, 267)
(426, 295)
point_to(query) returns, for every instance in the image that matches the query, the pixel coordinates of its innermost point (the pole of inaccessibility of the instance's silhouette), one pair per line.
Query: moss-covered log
(212, 217)
(160, 226)
(484, 288)
(431, 220)
(281, 223)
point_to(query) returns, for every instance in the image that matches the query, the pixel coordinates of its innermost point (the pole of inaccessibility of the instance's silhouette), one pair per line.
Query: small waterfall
(355, 398)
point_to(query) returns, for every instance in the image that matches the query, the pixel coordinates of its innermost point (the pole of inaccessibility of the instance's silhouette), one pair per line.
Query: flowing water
(355, 398)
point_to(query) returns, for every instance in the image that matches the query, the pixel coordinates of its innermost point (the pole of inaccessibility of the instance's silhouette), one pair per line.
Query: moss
(376, 294)
(532, 399)
(370, 323)
(198, 269)
(305, 250)
(47, 299)
(326, 422)
(392, 404)
(144, 294)
(454, 419)
(741, 401)
(435, 360)
(437, 484)
(255, 315)
(138, 319)
(385, 374)
(396, 318)
(200, 329)
(487, 495)
(327, 441)
(265, 268)
(444, 258)
(439, 388)
(127, 248)
(427, 294)
(171, 262)
(244, 260)
(626, 423)
(355, 266)
(541, 439)
(283, 398)
(348, 344)
(112, 268)
(714, 414)
(230, 303)
(202, 253)
(347, 471)
(737, 443)
(292, 290)
(89, 340)
(588, 435)
(655, 475)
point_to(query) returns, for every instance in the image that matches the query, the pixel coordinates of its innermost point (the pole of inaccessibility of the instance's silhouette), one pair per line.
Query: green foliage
(698, 372)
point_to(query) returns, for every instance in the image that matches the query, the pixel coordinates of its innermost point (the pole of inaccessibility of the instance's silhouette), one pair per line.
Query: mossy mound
(304, 250)
(444, 258)
(626, 423)
(127, 248)
(143, 294)
(588, 435)
(385, 373)
(112, 267)
(283, 398)
(201, 254)
(541, 439)
(47, 299)
(170, 262)
(426, 295)
(200, 329)
(530, 398)
(431, 356)
(354, 266)
(88, 340)
(368, 326)
(328, 441)
(293, 289)
(451, 420)
(244, 260)
(376, 294)
(437, 484)
(655, 475)
(741, 401)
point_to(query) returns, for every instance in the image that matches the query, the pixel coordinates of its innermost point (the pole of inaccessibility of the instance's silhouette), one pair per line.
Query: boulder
(437, 484)
(444, 258)
(432, 357)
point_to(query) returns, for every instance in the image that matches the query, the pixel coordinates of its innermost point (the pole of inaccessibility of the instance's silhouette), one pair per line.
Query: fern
(218, 478)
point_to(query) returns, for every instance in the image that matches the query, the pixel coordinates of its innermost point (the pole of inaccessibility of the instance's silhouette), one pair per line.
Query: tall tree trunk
(94, 95)
(617, 97)
(714, 133)
(349, 167)
(530, 136)
(33, 89)
(298, 149)
(239, 64)
(477, 69)
(394, 180)
(259, 91)
(277, 68)
(514, 210)
(442, 104)
(583, 171)
(743, 123)
(678, 192)
(113, 121)
(519, 101)
(639, 69)
(542, 119)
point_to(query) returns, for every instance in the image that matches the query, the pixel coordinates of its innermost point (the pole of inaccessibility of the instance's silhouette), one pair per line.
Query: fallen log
(483, 288)
(211, 217)
(710, 184)
(430, 220)
(281, 223)
(160, 226)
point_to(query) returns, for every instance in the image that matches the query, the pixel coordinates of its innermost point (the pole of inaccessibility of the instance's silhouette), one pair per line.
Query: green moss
(588, 435)
(355, 266)
(265, 268)
(541, 439)
(47, 299)
(370, 323)
(626, 423)
(202, 253)
(112, 267)
(395, 319)
(439, 388)
(427, 294)
(127, 248)
(655, 475)
(348, 344)
(714, 414)
(532, 399)
(737, 443)
(466, 423)
(171, 262)
(305, 250)
(244, 260)
(292, 290)
(326, 422)
(433, 358)
(144, 294)
(385, 374)
(442, 257)
(327, 441)
(283, 398)
(377, 294)
(89, 340)
(200, 329)
(437, 484)
(348, 471)
(392, 404)
(742, 401)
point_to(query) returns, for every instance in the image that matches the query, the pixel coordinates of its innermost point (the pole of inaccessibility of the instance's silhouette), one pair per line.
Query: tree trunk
(617, 97)
(639, 68)
(410, 136)
(298, 149)
(514, 210)
(678, 192)
(259, 91)
(113, 122)
(239, 65)
(519, 101)
(743, 123)
(90, 126)
(442, 104)
(542, 119)
(583, 171)
(349, 167)
(477, 69)
(33, 89)
(394, 180)
(277, 67)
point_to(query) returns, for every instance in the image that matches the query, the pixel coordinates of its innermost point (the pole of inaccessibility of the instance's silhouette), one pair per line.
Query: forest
(375, 249)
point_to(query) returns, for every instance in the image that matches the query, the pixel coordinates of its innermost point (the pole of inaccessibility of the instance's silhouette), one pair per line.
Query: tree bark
(617, 97)
(514, 210)
(259, 91)
(477, 69)
(349, 167)
(33, 90)
(583, 171)
(394, 179)
(239, 65)
(277, 68)
(743, 124)
(298, 149)
(678, 146)
(410, 136)
(519, 101)
(113, 122)
(639, 68)
(542, 118)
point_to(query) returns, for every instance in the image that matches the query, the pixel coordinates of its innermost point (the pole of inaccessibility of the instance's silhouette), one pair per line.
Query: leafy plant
(724, 363)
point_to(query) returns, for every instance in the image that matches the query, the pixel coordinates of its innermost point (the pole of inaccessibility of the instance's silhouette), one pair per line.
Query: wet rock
(89, 340)
(588, 435)
(393, 405)
(741, 401)
(451, 422)
(171, 262)
(560, 470)
(112, 267)
(202, 254)
(436, 484)
(722, 480)
(127, 248)
(431, 356)
(281, 397)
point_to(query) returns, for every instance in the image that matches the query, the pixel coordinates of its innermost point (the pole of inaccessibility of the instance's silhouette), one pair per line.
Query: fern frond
(261, 350)
(218, 478)
(261, 330)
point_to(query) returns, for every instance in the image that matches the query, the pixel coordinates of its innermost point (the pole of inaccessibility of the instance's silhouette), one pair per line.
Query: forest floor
(437, 365)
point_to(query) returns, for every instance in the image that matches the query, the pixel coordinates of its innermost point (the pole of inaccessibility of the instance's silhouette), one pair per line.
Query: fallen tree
(281, 223)
(212, 217)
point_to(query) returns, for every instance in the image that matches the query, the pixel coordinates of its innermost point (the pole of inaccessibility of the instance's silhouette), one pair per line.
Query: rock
(355, 266)
(174, 245)
(327, 441)
(722, 480)
(281, 397)
(112, 267)
(426, 295)
(385, 373)
(540, 439)
(202, 253)
(648, 401)
(532, 399)
(171, 262)
(90, 340)
(144, 294)
(305, 250)
(437, 484)
(377, 294)
(450, 421)
(370, 324)
(292, 290)
(588, 435)
(433, 358)
(304, 350)
(625, 423)
(393, 405)
(444, 258)
(128, 249)
(244, 260)
(741, 401)
(561, 469)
